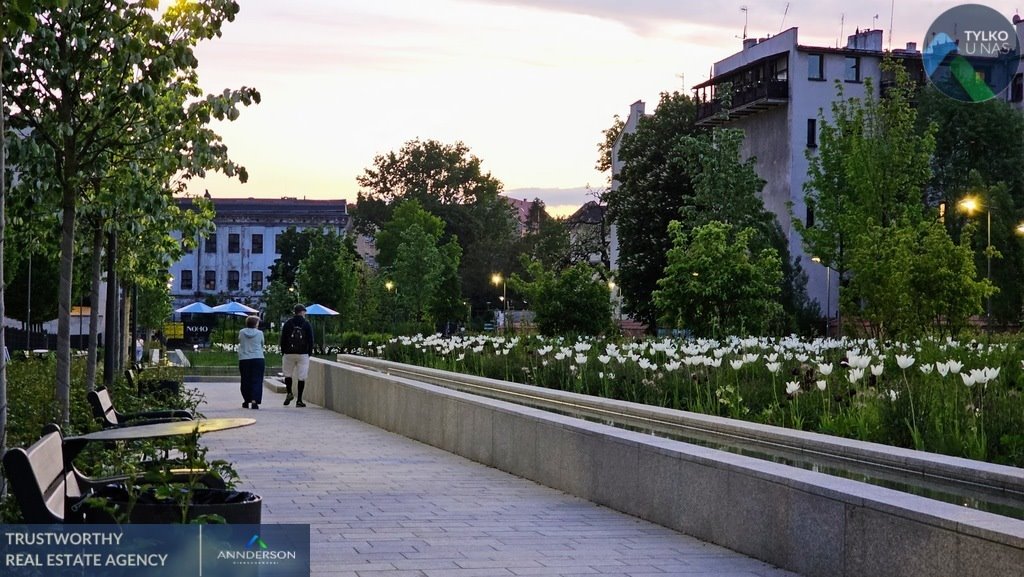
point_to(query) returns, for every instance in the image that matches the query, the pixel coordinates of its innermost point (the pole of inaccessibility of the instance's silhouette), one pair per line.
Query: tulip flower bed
(956, 398)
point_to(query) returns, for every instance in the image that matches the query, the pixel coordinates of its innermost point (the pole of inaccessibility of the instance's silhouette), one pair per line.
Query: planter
(236, 507)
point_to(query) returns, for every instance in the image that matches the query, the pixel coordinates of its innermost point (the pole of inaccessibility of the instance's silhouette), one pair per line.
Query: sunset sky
(528, 85)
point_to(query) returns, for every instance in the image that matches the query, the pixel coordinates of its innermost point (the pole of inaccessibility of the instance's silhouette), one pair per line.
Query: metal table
(74, 445)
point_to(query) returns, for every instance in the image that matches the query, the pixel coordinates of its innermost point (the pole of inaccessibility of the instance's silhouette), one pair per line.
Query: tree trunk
(94, 309)
(3, 231)
(110, 341)
(67, 271)
(126, 352)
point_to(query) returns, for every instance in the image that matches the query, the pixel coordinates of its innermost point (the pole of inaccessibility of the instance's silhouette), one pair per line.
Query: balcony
(746, 100)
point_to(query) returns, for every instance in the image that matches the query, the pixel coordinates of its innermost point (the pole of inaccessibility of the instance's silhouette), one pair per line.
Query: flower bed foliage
(943, 396)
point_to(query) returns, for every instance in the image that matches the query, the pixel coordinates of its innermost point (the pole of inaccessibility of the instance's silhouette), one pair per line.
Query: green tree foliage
(871, 164)
(867, 185)
(574, 300)
(89, 85)
(715, 285)
(546, 239)
(727, 189)
(979, 152)
(448, 182)
(405, 215)
(654, 186)
(293, 245)
(913, 279)
(423, 269)
(325, 274)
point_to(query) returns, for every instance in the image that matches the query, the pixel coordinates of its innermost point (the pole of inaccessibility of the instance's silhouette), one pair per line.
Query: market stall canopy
(234, 308)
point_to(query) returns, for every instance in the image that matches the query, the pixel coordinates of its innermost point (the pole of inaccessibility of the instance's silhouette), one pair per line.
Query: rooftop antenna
(842, 27)
(784, 14)
(874, 22)
(682, 79)
(746, 13)
(892, 11)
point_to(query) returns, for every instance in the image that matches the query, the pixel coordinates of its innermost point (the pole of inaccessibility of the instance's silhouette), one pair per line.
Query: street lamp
(971, 205)
(828, 295)
(497, 279)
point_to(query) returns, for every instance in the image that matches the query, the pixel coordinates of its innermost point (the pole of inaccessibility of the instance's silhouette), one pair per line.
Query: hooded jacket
(250, 344)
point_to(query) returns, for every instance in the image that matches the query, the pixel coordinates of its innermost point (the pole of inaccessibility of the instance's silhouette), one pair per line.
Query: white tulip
(825, 369)
(876, 370)
(904, 362)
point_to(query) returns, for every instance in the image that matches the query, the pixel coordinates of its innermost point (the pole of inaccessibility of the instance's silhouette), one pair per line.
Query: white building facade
(780, 92)
(234, 261)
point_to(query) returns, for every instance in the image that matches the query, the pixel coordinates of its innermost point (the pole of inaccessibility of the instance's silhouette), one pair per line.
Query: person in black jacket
(296, 347)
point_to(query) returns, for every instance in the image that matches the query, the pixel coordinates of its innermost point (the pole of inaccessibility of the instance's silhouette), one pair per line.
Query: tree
(546, 239)
(16, 18)
(448, 182)
(406, 214)
(86, 84)
(871, 169)
(571, 301)
(978, 152)
(727, 189)
(715, 285)
(655, 183)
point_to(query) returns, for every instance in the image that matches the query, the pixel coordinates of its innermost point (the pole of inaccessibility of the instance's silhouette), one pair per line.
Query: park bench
(103, 411)
(49, 489)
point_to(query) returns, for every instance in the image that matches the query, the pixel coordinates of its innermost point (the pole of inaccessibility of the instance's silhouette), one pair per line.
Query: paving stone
(381, 505)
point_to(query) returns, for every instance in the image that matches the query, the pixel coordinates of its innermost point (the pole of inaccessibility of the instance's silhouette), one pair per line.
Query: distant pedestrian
(296, 347)
(251, 363)
(139, 343)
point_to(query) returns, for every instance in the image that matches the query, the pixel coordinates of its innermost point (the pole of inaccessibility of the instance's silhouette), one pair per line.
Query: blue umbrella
(320, 310)
(198, 307)
(233, 308)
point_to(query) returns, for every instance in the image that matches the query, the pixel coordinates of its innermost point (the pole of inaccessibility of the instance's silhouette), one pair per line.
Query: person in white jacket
(251, 363)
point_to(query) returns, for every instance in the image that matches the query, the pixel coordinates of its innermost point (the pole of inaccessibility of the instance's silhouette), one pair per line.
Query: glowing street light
(971, 205)
(497, 279)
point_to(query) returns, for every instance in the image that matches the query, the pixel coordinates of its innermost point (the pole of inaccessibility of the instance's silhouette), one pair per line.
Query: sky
(527, 85)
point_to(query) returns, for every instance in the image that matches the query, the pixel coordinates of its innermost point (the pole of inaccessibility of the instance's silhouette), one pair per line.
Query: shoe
(288, 399)
(245, 405)
(300, 404)
(255, 406)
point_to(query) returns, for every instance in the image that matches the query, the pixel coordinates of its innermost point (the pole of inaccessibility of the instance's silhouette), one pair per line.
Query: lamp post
(497, 279)
(390, 287)
(970, 205)
(828, 295)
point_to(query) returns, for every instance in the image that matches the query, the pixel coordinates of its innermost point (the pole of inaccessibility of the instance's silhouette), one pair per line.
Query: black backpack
(297, 342)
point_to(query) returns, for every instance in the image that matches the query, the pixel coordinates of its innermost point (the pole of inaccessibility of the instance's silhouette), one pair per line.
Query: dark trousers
(252, 379)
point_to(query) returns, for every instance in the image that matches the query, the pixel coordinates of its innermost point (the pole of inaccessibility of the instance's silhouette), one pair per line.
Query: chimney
(865, 40)
(912, 47)
(749, 43)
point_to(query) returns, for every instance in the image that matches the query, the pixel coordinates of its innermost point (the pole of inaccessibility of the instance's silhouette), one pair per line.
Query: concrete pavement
(382, 505)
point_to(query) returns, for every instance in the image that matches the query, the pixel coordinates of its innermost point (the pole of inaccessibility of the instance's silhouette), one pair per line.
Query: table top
(163, 430)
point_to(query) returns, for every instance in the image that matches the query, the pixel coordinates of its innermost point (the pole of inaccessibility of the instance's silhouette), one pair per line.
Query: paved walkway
(382, 505)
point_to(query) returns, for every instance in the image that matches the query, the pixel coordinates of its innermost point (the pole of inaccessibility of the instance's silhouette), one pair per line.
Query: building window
(257, 244)
(1017, 90)
(211, 243)
(232, 280)
(852, 69)
(257, 281)
(815, 66)
(234, 242)
(812, 133)
(277, 243)
(186, 246)
(210, 280)
(186, 280)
